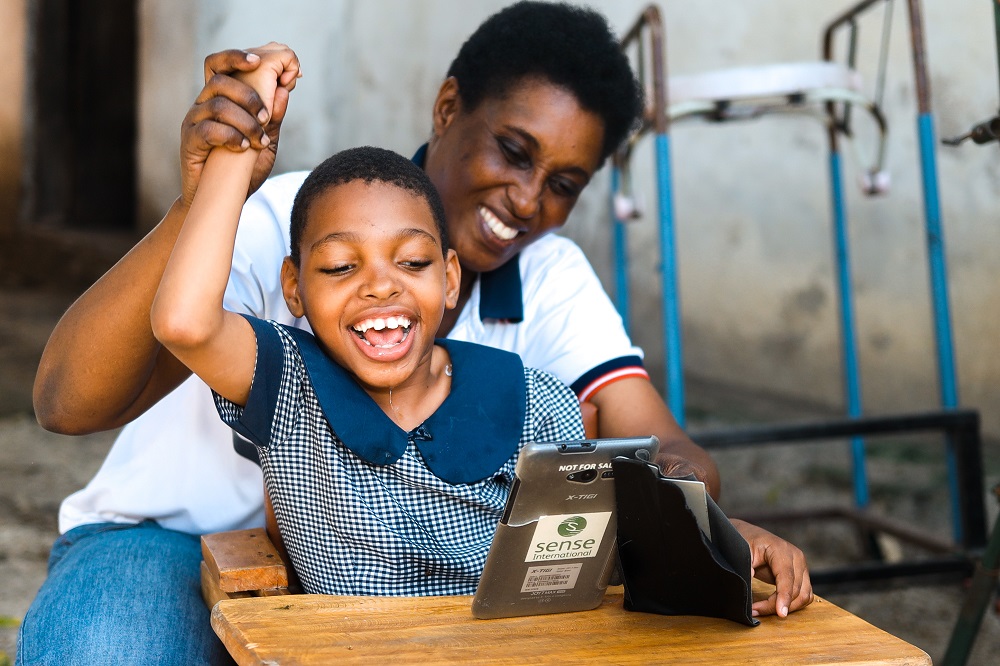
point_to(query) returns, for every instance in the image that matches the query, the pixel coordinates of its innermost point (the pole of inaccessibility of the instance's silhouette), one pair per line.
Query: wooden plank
(243, 560)
(320, 629)
(210, 590)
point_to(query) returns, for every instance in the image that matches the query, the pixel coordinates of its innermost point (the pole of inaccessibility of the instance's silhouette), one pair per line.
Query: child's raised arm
(187, 316)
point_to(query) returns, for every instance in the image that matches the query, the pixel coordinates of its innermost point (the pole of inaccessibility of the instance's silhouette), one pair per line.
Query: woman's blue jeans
(121, 594)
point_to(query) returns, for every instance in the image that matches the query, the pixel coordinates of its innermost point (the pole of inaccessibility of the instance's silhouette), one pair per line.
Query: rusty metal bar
(848, 16)
(849, 20)
(921, 78)
(651, 21)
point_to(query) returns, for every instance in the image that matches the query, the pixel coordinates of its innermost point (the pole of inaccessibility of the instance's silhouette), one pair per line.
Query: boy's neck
(411, 404)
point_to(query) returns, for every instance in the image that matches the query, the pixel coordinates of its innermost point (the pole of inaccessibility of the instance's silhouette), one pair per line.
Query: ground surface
(38, 469)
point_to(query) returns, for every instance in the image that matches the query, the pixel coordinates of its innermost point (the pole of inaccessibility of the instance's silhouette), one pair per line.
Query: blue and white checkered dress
(366, 508)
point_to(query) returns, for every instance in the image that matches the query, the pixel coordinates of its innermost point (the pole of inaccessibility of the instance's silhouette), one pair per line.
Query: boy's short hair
(369, 164)
(571, 47)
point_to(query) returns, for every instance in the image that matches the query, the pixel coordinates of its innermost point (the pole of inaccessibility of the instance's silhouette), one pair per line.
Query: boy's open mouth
(383, 333)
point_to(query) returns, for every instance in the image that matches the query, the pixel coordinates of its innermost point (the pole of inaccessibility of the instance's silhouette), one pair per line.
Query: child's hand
(230, 113)
(277, 70)
(776, 561)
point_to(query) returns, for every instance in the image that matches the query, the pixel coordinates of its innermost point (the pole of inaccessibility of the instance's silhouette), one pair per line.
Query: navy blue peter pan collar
(500, 294)
(471, 435)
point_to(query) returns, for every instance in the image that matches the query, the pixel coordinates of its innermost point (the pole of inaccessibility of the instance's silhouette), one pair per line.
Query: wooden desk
(390, 631)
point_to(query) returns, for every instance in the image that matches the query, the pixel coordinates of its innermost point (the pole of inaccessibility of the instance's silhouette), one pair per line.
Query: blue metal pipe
(936, 259)
(619, 244)
(673, 353)
(947, 384)
(848, 336)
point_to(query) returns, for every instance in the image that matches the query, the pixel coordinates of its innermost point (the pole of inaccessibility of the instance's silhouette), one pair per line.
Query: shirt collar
(500, 295)
(471, 435)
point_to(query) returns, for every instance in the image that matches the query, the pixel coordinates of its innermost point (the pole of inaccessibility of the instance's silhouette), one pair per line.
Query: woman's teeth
(499, 229)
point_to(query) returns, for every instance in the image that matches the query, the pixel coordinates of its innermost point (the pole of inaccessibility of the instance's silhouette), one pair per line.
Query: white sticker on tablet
(551, 577)
(567, 537)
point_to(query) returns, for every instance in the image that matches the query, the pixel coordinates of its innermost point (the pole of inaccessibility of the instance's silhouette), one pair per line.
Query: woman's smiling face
(511, 170)
(372, 280)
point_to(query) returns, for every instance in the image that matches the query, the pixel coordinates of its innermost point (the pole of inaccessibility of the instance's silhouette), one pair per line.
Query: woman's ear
(453, 280)
(290, 287)
(446, 105)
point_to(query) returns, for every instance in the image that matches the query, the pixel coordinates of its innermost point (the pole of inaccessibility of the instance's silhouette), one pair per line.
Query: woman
(521, 124)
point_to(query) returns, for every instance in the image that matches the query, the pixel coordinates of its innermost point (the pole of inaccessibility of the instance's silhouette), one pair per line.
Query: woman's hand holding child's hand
(277, 69)
(230, 113)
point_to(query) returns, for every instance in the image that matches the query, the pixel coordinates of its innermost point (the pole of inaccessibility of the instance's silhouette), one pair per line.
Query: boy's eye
(415, 264)
(339, 269)
(513, 152)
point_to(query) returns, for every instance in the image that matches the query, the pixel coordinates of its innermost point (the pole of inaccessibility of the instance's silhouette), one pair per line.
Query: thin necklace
(392, 406)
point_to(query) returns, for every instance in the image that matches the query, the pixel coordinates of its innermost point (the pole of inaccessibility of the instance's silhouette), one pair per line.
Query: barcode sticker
(551, 577)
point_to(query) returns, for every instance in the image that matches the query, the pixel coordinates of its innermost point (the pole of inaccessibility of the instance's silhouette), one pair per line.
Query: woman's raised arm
(102, 367)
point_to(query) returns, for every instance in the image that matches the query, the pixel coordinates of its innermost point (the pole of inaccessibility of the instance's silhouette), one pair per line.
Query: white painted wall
(371, 71)
(752, 202)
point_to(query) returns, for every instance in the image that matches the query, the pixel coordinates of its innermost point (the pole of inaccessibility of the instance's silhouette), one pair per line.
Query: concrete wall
(754, 235)
(371, 71)
(752, 202)
(12, 80)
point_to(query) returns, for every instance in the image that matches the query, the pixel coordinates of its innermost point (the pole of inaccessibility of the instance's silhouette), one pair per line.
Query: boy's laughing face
(373, 281)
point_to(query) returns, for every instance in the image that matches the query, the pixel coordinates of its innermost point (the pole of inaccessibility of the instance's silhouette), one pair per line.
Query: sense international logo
(568, 536)
(572, 526)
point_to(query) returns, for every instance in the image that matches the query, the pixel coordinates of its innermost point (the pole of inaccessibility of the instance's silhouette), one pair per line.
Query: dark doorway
(82, 154)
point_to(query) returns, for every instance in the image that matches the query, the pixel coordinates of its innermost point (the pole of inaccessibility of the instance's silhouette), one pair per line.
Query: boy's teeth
(499, 229)
(381, 324)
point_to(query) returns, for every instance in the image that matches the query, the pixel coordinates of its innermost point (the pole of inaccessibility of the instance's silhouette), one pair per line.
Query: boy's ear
(446, 105)
(453, 280)
(290, 287)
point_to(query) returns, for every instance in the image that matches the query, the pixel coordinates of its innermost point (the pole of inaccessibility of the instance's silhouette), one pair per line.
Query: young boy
(388, 455)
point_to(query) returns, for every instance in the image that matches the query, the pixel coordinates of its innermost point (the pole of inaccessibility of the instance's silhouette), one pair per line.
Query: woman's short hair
(571, 47)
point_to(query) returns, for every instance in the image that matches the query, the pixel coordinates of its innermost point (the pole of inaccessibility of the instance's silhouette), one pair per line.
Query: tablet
(553, 551)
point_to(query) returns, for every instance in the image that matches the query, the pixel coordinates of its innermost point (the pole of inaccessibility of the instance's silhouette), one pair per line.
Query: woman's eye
(513, 152)
(564, 188)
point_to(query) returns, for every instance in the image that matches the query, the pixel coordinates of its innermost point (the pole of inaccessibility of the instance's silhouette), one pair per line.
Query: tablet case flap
(668, 566)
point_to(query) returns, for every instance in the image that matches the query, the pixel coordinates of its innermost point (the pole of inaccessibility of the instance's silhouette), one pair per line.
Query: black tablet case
(668, 566)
